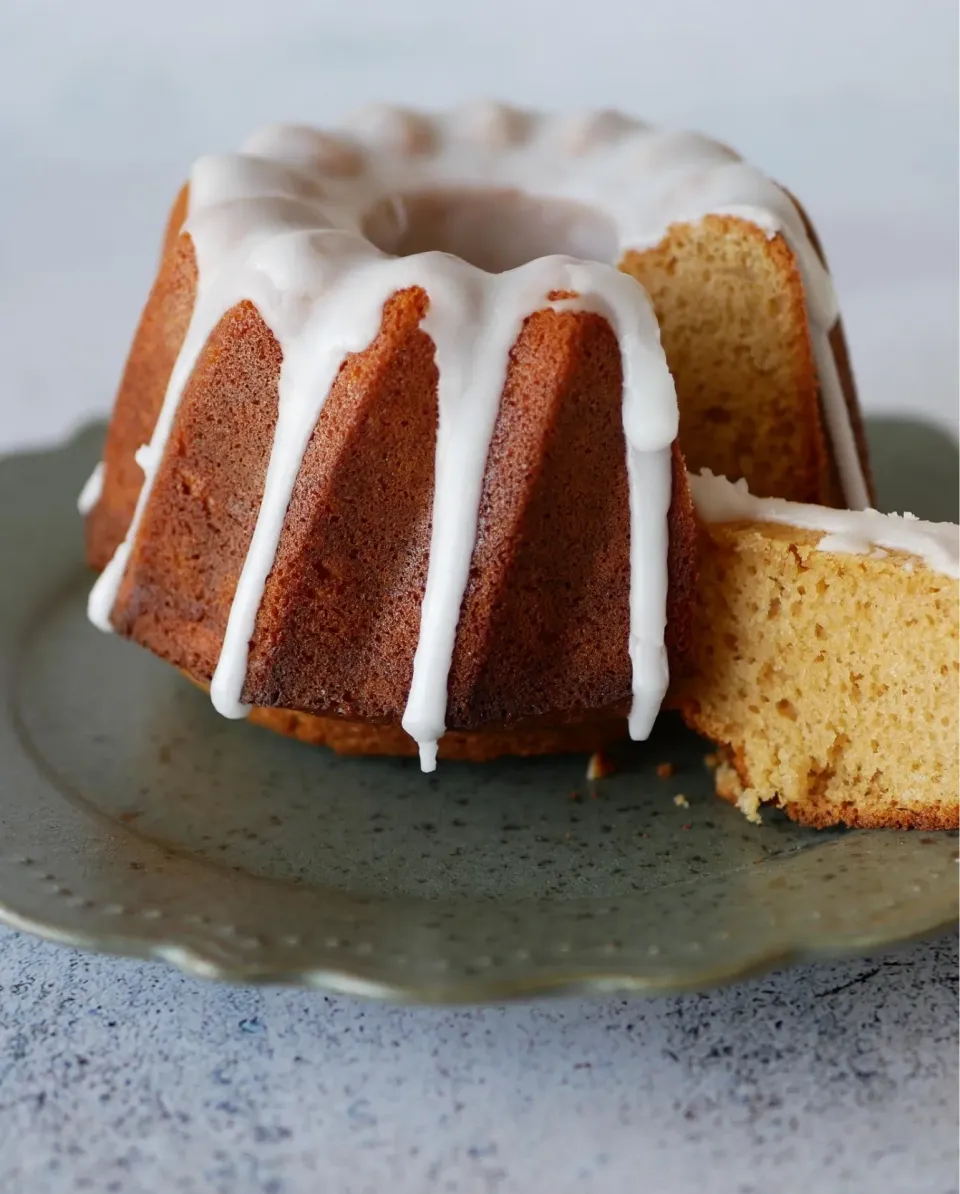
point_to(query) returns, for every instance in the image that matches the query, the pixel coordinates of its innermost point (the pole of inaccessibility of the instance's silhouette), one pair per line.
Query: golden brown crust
(175, 221)
(159, 337)
(183, 568)
(683, 565)
(549, 568)
(478, 746)
(544, 626)
(595, 730)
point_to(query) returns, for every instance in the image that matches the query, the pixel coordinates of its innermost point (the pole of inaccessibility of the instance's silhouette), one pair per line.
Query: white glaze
(92, 488)
(283, 225)
(848, 532)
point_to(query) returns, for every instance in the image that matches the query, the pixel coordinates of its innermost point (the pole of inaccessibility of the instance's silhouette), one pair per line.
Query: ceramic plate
(133, 819)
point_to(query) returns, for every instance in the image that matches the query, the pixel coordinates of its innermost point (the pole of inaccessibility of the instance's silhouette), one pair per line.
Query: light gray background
(119, 1076)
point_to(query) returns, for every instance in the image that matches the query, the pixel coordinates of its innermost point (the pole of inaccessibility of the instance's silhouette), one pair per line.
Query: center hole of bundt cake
(496, 230)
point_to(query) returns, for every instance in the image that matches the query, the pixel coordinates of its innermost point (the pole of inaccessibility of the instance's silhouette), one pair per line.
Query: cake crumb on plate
(599, 766)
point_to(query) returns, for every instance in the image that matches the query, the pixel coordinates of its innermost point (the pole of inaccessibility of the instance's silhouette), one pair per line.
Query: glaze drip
(92, 488)
(845, 532)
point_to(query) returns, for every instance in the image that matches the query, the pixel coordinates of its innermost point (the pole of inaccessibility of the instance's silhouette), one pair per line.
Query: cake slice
(825, 660)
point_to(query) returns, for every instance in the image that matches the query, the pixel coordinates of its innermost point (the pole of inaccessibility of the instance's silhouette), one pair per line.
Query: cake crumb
(665, 770)
(711, 761)
(681, 801)
(748, 802)
(599, 766)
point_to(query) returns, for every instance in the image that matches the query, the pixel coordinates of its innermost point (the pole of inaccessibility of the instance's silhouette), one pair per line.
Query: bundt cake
(825, 660)
(394, 458)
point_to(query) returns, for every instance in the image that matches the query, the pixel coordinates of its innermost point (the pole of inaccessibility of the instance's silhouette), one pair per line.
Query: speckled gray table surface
(117, 1076)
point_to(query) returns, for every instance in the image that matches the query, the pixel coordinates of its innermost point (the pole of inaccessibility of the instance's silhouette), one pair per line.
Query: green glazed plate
(134, 820)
